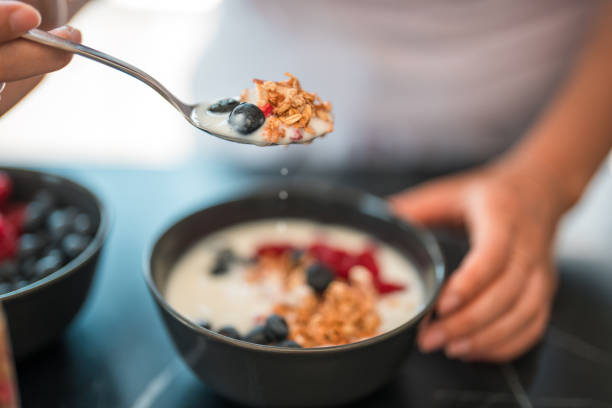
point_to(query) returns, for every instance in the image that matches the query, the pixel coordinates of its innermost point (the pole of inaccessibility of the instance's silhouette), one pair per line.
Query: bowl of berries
(51, 234)
(310, 297)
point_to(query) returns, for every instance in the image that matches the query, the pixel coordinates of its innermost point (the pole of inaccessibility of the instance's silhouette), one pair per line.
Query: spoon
(188, 111)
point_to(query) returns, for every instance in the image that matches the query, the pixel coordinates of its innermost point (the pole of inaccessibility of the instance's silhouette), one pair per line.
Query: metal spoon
(188, 111)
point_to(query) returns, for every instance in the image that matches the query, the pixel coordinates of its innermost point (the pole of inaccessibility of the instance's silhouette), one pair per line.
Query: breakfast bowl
(269, 375)
(47, 278)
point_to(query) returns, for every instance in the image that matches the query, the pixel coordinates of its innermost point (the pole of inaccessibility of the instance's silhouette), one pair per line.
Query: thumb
(436, 202)
(16, 18)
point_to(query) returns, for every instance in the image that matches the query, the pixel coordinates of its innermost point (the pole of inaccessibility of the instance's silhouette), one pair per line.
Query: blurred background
(115, 134)
(90, 115)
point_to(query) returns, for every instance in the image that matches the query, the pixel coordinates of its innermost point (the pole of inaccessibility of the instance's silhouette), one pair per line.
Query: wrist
(561, 183)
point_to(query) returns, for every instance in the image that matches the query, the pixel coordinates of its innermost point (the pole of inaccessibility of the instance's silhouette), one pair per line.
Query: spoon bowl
(188, 111)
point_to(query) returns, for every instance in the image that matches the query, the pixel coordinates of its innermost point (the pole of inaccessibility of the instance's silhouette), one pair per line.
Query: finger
(536, 294)
(20, 59)
(498, 298)
(431, 203)
(425, 322)
(491, 242)
(16, 19)
(518, 345)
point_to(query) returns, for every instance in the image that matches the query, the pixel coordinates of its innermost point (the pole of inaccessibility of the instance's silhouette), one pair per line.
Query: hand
(497, 304)
(20, 59)
(9, 397)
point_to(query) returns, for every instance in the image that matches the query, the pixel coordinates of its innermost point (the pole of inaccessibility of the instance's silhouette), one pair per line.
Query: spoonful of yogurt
(271, 113)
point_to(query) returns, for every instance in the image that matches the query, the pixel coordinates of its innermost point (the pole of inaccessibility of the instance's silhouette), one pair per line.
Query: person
(22, 66)
(517, 92)
(497, 304)
(23, 63)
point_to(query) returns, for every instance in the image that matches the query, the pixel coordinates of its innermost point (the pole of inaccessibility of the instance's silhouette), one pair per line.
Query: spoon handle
(45, 38)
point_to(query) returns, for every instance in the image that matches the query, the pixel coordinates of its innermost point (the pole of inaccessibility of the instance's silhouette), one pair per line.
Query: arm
(575, 133)
(497, 304)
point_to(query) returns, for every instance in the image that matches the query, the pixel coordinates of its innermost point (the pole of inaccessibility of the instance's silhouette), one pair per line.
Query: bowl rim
(424, 236)
(91, 250)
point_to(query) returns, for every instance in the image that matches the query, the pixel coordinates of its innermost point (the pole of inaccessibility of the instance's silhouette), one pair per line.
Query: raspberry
(6, 187)
(14, 213)
(8, 239)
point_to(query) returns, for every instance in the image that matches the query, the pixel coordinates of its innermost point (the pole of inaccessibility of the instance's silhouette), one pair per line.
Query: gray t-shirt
(429, 84)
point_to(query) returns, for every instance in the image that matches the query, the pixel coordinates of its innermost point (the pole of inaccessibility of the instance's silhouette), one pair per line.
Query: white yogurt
(229, 299)
(219, 123)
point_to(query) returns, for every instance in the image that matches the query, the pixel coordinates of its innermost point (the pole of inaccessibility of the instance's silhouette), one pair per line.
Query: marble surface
(117, 354)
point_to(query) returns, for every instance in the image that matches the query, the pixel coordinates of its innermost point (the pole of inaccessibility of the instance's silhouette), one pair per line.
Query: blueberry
(277, 327)
(288, 343)
(223, 106)
(6, 287)
(222, 262)
(31, 244)
(34, 216)
(319, 277)
(73, 244)
(48, 263)
(20, 284)
(229, 331)
(55, 252)
(296, 256)
(46, 198)
(27, 269)
(246, 118)
(259, 335)
(8, 271)
(37, 210)
(204, 324)
(59, 222)
(82, 224)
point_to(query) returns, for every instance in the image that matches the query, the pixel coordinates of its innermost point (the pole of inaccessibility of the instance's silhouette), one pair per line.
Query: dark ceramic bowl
(39, 312)
(282, 377)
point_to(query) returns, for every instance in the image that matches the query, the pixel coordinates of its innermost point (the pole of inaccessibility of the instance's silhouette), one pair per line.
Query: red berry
(383, 287)
(14, 213)
(337, 260)
(267, 109)
(274, 249)
(8, 239)
(297, 135)
(341, 262)
(6, 187)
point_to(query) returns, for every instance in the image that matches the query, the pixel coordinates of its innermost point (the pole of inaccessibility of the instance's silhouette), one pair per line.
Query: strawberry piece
(6, 187)
(267, 109)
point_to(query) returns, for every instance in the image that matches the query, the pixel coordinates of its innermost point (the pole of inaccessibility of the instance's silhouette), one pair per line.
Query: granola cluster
(344, 313)
(286, 104)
